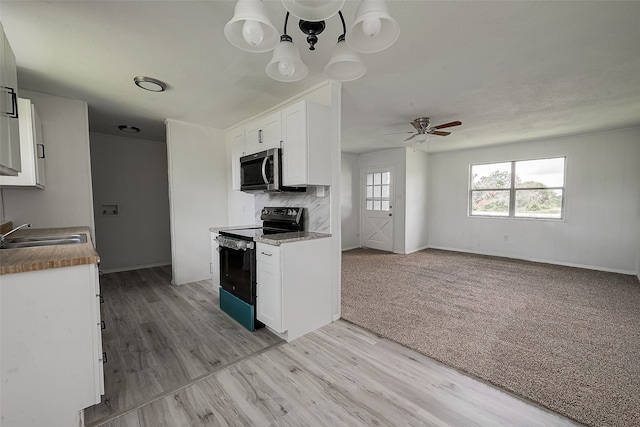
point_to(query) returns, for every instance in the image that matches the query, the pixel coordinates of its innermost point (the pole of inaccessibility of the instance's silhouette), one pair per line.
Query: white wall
(602, 204)
(396, 159)
(67, 199)
(350, 201)
(198, 196)
(131, 173)
(417, 188)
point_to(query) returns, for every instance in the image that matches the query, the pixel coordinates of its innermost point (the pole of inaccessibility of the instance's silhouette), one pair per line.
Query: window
(518, 189)
(377, 191)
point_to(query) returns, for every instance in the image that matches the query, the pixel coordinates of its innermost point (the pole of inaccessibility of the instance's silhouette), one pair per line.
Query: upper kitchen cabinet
(263, 134)
(306, 144)
(31, 148)
(9, 126)
(235, 142)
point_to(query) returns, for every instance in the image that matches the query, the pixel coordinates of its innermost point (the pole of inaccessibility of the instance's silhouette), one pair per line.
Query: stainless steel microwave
(261, 171)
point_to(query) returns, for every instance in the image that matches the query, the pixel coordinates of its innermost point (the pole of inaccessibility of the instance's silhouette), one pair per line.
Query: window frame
(512, 189)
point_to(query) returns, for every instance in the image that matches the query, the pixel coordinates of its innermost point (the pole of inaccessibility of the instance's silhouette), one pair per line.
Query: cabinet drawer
(268, 254)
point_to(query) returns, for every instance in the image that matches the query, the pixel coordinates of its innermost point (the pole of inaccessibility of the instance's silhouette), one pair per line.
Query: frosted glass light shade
(421, 137)
(344, 65)
(313, 10)
(364, 35)
(251, 10)
(286, 65)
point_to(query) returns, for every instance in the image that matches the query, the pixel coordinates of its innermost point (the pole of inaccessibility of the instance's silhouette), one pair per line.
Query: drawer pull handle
(103, 325)
(104, 357)
(101, 299)
(40, 147)
(264, 253)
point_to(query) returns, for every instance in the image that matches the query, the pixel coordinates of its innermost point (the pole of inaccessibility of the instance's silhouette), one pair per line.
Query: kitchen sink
(29, 242)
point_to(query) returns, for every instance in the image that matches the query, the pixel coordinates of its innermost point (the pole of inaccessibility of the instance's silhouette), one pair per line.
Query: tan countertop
(21, 260)
(294, 236)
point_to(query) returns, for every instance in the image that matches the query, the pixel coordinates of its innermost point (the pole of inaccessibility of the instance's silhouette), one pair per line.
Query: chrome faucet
(2, 236)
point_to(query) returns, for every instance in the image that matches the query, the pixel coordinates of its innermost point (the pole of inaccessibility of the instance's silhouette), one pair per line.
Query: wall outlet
(109, 209)
(320, 191)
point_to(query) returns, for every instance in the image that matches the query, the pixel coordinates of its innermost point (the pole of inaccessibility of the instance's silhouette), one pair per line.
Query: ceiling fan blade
(447, 125)
(437, 132)
(411, 137)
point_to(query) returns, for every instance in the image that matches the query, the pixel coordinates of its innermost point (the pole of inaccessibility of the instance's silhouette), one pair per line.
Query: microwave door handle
(264, 170)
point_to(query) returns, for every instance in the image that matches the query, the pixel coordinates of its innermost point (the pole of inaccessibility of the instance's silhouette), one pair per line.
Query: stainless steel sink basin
(28, 242)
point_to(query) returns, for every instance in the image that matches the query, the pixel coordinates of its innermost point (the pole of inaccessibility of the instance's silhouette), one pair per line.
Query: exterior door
(377, 208)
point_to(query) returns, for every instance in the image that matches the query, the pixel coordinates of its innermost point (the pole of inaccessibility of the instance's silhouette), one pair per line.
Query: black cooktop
(250, 233)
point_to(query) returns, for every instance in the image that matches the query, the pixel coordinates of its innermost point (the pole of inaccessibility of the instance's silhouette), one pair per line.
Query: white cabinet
(263, 134)
(269, 289)
(215, 262)
(294, 286)
(306, 144)
(51, 346)
(235, 142)
(31, 149)
(9, 126)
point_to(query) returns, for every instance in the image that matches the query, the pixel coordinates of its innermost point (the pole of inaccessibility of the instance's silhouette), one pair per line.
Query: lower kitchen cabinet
(294, 286)
(51, 356)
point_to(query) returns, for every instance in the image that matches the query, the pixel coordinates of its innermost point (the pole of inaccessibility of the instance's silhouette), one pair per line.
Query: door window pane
(378, 191)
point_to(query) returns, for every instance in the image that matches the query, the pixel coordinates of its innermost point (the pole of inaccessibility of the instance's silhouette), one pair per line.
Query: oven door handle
(264, 170)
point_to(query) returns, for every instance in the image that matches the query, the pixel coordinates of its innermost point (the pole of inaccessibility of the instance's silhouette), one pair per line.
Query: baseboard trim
(133, 267)
(348, 248)
(545, 261)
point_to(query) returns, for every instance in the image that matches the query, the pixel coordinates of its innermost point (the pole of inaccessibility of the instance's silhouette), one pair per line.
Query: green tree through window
(520, 189)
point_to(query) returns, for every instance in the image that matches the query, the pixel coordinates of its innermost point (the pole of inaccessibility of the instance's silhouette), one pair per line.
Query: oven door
(238, 269)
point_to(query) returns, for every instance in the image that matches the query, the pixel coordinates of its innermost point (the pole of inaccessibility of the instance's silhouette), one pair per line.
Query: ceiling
(509, 70)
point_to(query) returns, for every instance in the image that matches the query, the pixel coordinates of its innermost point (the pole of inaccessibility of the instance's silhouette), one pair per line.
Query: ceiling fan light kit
(373, 30)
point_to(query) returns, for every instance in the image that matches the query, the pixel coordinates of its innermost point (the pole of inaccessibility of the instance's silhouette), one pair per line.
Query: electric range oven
(238, 261)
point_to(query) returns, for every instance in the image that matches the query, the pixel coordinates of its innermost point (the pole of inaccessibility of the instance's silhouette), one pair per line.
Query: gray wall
(131, 173)
(67, 200)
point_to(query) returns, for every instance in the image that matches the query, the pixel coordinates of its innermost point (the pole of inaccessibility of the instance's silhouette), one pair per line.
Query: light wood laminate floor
(159, 337)
(340, 375)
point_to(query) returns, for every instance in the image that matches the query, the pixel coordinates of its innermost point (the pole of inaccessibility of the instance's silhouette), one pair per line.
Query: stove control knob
(291, 212)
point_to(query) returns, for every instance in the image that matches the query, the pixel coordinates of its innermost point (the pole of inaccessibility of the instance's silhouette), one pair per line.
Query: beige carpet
(565, 338)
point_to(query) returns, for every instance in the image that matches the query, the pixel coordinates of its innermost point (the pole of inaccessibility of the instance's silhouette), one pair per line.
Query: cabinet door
(39, 148)
(294, 145)
(271, 131)
(264, 133)
(253, 136)
(9, 127)
(236, 143)
(269, 287)
(31, 149)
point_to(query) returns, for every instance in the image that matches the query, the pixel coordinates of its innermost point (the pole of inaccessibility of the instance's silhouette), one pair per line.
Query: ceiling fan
(424, 129)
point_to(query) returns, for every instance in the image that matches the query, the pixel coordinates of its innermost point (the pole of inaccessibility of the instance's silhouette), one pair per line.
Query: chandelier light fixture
(373, 30)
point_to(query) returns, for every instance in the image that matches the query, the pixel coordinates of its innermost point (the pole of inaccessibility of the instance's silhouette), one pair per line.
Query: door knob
(390, 214)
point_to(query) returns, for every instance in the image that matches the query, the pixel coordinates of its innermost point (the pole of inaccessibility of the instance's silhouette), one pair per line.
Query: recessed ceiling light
(151, 84)
(128, 129)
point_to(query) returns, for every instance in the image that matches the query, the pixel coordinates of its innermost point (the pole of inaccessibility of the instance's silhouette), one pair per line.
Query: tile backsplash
(317, 213)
